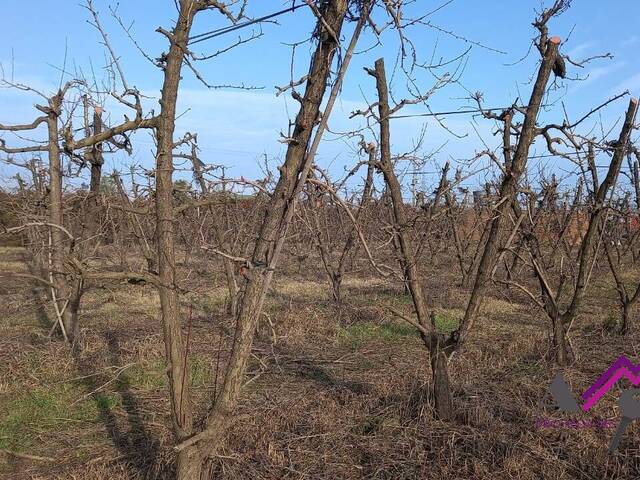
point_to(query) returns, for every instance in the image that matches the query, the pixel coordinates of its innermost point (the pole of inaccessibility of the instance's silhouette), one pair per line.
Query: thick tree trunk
(65, 293)
(191, 464)
(561, 349)
(443, 399)
(176, 355)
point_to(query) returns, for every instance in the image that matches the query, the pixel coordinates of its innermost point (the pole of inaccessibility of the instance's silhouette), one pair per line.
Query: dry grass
(336, 391)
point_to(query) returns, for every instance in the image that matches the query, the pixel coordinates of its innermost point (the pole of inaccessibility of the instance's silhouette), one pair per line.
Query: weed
(446, 322)
(106, 402)
(153, 376)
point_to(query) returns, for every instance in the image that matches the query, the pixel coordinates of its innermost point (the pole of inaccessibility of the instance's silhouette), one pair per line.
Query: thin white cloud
(580, 49)
(632, 84)
(594, 74)
(600, 72)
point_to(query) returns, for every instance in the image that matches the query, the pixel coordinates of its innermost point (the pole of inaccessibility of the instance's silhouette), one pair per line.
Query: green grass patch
(150, 376)
(378, 298)
(358, 334)
(446, 322)
(106, 402)
(39, 411)
(404, 299)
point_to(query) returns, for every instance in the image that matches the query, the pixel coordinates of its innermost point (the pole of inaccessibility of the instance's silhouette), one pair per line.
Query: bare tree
(620, 244)
(335, 255)
(442, 346)
(561, 321)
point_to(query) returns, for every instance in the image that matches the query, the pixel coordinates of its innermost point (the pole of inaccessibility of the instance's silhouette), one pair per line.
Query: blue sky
(237, 128)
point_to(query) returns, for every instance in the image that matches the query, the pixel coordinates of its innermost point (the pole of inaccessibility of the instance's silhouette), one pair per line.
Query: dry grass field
(332, 391)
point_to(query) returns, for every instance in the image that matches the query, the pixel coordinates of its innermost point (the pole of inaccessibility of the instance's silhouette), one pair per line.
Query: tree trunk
(623, 327)
(456, 236)
(232, 285)
(599, 209)
(265, 253)
(315, 205)
(63, 291)
(191, 464)
(336, 283)
(624, 300)
(136, 227)
(351, 245)
(89, 237)
(477, 255)
(443, 399)
(586, 254)
(96, 160)
(176, 355)
(561, 349)
(436, 344)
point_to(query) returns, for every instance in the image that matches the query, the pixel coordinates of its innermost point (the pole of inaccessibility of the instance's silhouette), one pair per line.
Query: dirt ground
(333, 391)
